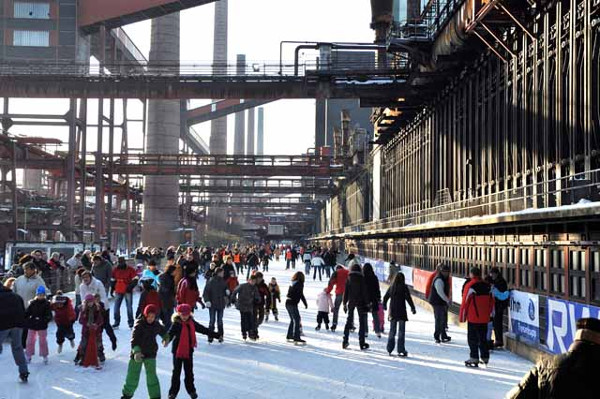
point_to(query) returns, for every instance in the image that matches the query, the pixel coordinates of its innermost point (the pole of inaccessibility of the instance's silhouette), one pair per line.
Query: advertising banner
(524, 315)
(420, 278)
(457, 284)
(561, 322)
(408, 274)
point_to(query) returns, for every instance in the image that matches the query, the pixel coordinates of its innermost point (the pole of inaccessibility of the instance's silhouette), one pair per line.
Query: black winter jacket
(12, 310)
(398, 298)
(296, 294)
(38, 314)
(175, 332)
(143, 338)
(215, 292)
(245, 296)
(373, 288)
(572, 375)
(356, 294)
(166, 290)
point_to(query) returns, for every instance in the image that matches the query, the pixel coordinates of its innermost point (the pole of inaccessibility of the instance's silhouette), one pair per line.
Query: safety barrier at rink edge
(543, 323)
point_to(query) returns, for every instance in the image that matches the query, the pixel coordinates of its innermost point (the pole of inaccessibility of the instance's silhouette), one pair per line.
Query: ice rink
(273, 368)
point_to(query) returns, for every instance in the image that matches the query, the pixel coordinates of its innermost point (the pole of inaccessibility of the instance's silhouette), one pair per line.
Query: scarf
(187, 337)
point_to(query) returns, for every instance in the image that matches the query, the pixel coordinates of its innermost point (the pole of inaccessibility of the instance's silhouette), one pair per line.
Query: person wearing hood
(356, 297)
(124, 278)
(12, 320)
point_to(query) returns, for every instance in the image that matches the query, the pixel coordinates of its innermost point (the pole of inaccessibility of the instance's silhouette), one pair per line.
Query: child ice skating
(143, 352)
(91, 318)
(324, 306)
(274, 296)
(245, 296)
(148, 297)
(37, 317)
(183, 335)
(64, 317)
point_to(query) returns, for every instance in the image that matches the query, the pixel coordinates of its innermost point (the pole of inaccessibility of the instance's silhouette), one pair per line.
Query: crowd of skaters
(168, 280)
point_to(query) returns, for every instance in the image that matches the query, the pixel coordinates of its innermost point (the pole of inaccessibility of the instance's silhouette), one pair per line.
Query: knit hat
(41, 290)
(184, 309)
(150, 309)
(89, 298)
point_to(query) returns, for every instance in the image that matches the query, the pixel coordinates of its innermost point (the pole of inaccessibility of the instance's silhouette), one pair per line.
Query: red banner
(420, 279)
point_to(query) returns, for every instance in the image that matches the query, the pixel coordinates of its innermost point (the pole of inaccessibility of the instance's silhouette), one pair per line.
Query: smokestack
(218, 127)
(250, 138)
(260, 139)
(239, 145)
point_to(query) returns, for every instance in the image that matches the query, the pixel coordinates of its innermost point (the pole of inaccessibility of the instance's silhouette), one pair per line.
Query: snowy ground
(273, 368)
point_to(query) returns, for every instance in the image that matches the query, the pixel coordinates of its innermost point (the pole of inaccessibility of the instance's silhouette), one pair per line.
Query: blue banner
(562, 319)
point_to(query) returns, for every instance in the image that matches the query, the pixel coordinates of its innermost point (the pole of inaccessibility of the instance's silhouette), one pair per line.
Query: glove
(214, 335)
(208, 304)
(138, 357)
(165, 343)
(414, 311)
(114, 345)
(345, 309)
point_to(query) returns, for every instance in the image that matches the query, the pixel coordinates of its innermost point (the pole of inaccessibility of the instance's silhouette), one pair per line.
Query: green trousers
(133, 378)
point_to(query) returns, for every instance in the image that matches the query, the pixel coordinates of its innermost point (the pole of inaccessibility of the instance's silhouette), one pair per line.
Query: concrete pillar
(239, 142)
(260, 139)
(250, 138)
(218, 127)
(161, 193)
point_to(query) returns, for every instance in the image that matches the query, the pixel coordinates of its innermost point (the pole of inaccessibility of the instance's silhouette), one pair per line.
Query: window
(33, 10)
(31, 38)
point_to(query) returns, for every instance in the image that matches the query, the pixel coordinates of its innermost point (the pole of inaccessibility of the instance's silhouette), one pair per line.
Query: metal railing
(258, 69)
(434, 18)
(576, 190)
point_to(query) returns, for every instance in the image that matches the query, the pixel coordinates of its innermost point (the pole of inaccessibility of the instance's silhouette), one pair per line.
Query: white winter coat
(26, 287)
(94, 287)
(324, 302)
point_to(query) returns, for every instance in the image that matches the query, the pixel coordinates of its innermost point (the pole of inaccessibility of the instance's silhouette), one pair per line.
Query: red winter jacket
(123, 276)
(64, 314)
(338, 278)
(188, 295)
(478, 303)
(148, 298)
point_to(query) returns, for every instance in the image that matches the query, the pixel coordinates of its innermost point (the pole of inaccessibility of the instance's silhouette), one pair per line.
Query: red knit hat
(150, 309)
(184, 309)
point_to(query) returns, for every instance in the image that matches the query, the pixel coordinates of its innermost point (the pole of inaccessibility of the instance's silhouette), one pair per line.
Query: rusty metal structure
(496, 162)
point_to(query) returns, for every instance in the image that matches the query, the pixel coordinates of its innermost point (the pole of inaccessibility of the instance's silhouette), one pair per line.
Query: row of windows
(533, 269)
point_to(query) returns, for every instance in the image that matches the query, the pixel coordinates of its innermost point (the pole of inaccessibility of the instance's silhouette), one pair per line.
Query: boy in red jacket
(476, 309)
(64, 317)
